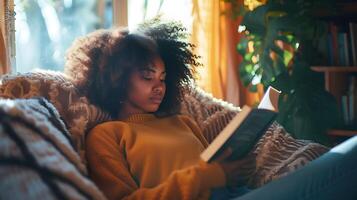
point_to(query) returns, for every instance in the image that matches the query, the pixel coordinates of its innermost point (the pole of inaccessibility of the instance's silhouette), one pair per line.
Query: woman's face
(146, 89)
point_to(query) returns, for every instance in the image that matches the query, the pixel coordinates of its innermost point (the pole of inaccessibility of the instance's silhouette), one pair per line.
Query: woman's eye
(147, 78)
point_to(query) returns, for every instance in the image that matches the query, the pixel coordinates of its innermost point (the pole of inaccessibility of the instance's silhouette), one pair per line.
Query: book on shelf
(344, 109)
(353, 41)
(245, 129)
(341, 44)
(323, 49)
(344, 59)
(351, 109)
(333, 44)
(352, 92)
(348, 103)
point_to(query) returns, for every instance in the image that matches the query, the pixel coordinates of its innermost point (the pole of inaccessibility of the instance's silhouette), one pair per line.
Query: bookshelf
(336, 82)
(337, 72)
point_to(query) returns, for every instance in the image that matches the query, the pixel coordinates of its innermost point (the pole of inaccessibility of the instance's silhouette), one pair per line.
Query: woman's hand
(237, 172)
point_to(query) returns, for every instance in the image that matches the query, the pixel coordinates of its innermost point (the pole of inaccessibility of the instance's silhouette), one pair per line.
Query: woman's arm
(110, 171)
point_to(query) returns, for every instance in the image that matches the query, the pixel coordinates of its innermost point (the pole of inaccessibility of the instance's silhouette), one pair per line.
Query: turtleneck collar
(140, 118)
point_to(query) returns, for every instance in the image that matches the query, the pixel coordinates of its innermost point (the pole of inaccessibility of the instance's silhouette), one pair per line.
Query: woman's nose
(157, 90)
(159, 87)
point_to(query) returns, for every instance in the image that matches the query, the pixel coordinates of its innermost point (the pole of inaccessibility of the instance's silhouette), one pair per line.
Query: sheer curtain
(216, 37)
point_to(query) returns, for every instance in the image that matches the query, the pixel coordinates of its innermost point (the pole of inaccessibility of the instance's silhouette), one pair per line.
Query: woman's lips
(156, 100)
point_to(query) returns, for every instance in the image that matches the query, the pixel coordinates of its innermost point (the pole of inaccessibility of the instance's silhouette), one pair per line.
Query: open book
(245, 129)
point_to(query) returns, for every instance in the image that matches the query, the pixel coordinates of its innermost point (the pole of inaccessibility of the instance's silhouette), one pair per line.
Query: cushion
(77, 113)
(37, 159)
(211, 114)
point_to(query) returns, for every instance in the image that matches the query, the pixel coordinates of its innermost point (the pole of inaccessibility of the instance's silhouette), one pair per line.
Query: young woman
(149, 150)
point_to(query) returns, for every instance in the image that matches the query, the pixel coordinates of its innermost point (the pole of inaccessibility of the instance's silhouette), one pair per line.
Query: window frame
(8, 26)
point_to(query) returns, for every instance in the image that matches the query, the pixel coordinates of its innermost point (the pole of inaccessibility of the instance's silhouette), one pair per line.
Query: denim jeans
(332, 176)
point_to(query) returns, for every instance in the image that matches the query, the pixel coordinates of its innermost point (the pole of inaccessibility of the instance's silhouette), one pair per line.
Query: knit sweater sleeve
(110, 171)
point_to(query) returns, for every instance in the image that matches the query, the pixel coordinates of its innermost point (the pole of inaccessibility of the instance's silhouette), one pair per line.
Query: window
(170, 9)
(46, 28)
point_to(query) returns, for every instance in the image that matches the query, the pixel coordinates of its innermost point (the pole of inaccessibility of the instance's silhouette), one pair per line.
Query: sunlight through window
(46, 28)
(140, 10)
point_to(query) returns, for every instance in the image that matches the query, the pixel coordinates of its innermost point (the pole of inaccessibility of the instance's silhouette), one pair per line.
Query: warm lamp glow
(252, 4)
(241, 28)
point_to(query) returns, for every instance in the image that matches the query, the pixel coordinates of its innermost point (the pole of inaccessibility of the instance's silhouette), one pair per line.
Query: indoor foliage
(278, 47)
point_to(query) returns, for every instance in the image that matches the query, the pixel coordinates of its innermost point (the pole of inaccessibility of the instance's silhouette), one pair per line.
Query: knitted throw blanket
(37, 158)
(277, 153)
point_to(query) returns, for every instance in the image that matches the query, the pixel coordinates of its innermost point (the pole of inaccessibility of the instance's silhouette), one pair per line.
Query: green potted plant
(278, 46)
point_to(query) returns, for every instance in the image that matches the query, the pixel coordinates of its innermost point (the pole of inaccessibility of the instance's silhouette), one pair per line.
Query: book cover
(245, 129)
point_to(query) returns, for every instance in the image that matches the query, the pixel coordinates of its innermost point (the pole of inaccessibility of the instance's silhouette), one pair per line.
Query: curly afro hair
(100, 63)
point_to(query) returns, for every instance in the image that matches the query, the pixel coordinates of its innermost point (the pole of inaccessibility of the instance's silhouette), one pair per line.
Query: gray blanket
(37, 158)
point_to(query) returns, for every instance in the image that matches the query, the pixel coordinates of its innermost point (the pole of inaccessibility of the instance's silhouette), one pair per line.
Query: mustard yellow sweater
(145, 157)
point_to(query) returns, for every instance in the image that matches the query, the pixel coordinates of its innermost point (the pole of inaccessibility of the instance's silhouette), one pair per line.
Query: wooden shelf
(343, 10)
(334, 69)
(336, 78)
(348, 7)
(346, 133)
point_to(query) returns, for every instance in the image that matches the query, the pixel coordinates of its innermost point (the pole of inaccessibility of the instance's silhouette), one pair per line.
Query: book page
(270, 99)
